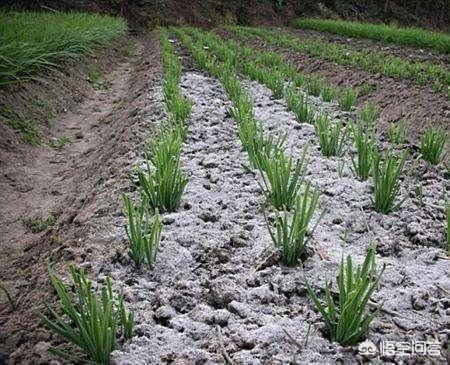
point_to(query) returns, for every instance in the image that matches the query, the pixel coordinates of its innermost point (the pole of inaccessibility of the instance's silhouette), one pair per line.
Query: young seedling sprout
(299, 105)
(386, 173)
(369, 113)
(347, 319)
(290, 234)
(142, 232)
(89, 321)
(396, 132)
(432, 145)
(348, 99)
(365, 147)
(280, 184)
(331, 138)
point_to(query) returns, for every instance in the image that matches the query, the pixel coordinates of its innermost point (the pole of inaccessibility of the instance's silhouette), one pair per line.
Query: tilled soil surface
(414, 54)
(218, 291)
(81, 186)
(398, 100)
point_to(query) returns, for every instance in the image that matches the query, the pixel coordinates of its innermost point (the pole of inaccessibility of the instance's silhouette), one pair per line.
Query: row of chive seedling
(92, 323)
(295, 201)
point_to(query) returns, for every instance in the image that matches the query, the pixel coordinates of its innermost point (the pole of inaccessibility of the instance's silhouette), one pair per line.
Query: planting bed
(218, 291)
(418, 106)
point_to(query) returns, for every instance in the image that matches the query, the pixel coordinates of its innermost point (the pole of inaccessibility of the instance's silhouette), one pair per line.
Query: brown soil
(80, 185)
(417, 106)
(412, 54)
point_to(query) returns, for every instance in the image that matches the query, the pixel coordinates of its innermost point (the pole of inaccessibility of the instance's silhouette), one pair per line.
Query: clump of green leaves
(143, 233)
(347, 319)
(39, 224)
(299, 105)
(386, 174)
(365, 147)
(164, 183)
(90, 322)
(397, 132)
(281, 185)
(331, 138)
(348, 99)
(315, 86)
(291, 233)
(329, 92)
(432, 145)
(275, 81)
(369, 113)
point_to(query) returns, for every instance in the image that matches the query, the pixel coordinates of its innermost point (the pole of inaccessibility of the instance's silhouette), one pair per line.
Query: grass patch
(347, 319)
(386, 173)
(291, 233)
(411, 36)
(32, 40)
(89, 321)
(432, 145)
(39, 224)
(28, 130)
(369, 114)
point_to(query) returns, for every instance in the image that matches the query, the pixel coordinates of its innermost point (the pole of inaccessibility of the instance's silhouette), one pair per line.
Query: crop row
(387, 33)
(346, 322)
(94, 322)
(436, 76)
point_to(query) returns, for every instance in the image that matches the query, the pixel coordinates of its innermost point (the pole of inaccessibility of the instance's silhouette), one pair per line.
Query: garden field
(238, 195)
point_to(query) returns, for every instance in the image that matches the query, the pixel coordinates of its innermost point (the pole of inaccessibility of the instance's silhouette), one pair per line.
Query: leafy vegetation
(299, 105)
(387, 33)
(369, 114)
(143, 234)
(88, 321)
(396, 133)
(36, 40)
(291, 233)
(39, 224)
(347, 99)
(386, 174)
(281, 186)
(365, 148)
(373, 61)
(347, 320)
(432, 145)
(332, 139)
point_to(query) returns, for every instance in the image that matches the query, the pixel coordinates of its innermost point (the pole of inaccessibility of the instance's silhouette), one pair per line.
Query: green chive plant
(386, 172)
(164, 183)
(88, 321)
(365, 147)
(315, 85)
(432, 145)
(291, 230)
(369, 114)
(396, 133)
(329, 92)
(299, 105)
(274, 80)
(280, 184)
(143, 233)
(347, 319)
(347, 99)
(331, 138)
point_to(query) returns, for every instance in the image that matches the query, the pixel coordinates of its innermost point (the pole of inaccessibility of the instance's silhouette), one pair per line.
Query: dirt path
(80, 185)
